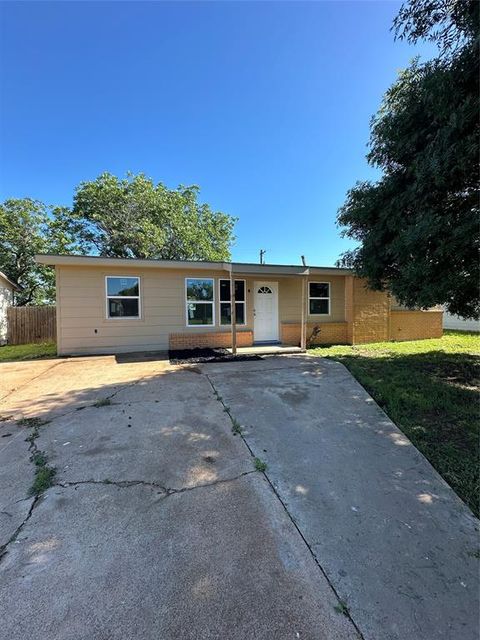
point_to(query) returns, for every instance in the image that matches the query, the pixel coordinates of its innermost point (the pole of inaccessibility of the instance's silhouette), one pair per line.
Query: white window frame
(244, 302)
(187, 301)
(319, 298)
(139, 298)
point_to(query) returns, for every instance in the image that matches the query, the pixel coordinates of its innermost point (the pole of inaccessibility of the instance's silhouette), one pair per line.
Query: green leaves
(124, 218)
(134, 217)
(418, 226)
(27, 228)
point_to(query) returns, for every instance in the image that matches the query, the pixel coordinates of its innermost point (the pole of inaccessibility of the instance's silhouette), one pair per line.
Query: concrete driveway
(158, 525)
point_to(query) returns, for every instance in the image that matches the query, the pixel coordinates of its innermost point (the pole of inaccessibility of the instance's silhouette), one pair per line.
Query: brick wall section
(330, 333)
(416, 325)
(369, 314)
(221, 339)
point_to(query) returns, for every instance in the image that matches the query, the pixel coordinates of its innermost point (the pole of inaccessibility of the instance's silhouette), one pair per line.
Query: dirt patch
(192, 356)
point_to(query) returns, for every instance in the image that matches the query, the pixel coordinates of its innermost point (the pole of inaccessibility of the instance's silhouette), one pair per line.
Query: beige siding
(84, 328)
(290, 300)
(82, 310)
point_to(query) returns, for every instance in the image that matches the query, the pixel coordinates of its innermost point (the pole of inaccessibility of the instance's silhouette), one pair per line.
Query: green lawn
(28, 351)
(430, 389)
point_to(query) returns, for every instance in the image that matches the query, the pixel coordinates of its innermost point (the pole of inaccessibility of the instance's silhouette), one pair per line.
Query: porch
(267, 350)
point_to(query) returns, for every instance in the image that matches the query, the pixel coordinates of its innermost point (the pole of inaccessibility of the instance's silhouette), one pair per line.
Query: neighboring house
(108, 305)
(7, 293)
(460, 324)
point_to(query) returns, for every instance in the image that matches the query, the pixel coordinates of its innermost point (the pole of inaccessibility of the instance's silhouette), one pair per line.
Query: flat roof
(148, 263)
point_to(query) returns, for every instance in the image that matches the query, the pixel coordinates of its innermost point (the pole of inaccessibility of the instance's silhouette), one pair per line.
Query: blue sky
(265, 105)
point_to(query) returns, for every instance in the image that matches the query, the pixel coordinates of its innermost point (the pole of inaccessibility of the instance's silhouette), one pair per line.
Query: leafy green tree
(27, 228)
(418, 226)
(134, 217)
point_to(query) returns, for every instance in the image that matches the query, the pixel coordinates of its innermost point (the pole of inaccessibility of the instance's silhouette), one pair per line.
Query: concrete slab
(15, 375)
(169, 430)
(267, 349)
(16, 477)
(60, 385)
(395, 541)
(199, 546)
(217, 562)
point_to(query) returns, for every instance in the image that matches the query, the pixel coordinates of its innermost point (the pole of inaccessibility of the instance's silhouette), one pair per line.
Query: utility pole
(262, 253)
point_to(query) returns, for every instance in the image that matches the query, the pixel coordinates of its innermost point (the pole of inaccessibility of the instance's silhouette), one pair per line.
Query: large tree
(418, 226)
(134, 217)
(28, 227)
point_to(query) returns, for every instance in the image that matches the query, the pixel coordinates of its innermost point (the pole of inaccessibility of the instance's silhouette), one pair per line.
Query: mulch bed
(193, 356)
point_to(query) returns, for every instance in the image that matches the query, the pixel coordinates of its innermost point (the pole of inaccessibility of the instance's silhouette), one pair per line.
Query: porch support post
(303, 330)
(233, 313)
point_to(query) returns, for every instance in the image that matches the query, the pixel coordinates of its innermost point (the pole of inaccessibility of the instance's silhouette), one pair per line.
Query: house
(459, 324)
(7, 293)
(108, 305)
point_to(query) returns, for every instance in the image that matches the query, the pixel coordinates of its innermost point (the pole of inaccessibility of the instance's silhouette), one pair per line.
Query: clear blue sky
(265, 105)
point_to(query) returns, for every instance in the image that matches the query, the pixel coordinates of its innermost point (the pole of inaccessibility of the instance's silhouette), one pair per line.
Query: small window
(319, 298)
(199, 300)
(123, 297)
(226, 302)
(266, 290)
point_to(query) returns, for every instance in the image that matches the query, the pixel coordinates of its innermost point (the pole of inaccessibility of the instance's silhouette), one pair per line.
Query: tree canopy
(136, 218)
(122, 218)
(418, 226)
(27, 228)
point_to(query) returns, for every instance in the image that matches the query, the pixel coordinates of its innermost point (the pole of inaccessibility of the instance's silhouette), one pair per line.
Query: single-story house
(7, 294)
(111, 305)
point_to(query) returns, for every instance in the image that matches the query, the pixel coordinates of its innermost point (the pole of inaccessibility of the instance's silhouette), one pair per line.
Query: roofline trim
(247, 267)
(16, 286)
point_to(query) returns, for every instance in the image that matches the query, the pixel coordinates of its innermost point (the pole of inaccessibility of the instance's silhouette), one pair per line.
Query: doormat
(193, 356)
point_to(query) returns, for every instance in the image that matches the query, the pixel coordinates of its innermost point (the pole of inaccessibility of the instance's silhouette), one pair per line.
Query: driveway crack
(168, 491)
(14, 536)
(122, 484)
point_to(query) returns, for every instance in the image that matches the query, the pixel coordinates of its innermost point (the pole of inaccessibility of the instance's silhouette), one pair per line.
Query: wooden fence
(31, 324)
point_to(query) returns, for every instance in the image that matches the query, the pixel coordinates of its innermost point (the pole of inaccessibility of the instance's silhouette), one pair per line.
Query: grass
(31, 423)
(102, 402)
(44, 474)
(236, 428)
(259, 465)
(10, 353)
(342, 608)
(430, 389)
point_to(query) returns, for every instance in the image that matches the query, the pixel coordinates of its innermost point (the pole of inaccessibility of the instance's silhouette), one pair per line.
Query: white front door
(265, 311)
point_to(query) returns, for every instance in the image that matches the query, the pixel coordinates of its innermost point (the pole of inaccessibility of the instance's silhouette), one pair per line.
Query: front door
(265, 312)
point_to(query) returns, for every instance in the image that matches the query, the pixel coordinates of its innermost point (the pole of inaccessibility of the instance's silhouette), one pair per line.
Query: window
(123, 297)
(319, 298)
(226, 302)
(199, 294)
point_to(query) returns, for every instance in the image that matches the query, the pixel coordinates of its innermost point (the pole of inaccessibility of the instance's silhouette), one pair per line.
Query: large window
(123, 297)
(199, 300)
(226, 302)
(319, 298)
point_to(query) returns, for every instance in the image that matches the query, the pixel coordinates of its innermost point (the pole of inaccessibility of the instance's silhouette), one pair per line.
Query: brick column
(367, 313)
(349, 308)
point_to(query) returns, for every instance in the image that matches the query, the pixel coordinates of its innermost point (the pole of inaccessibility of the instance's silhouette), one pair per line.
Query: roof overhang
(243, 268)
(13, 284)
